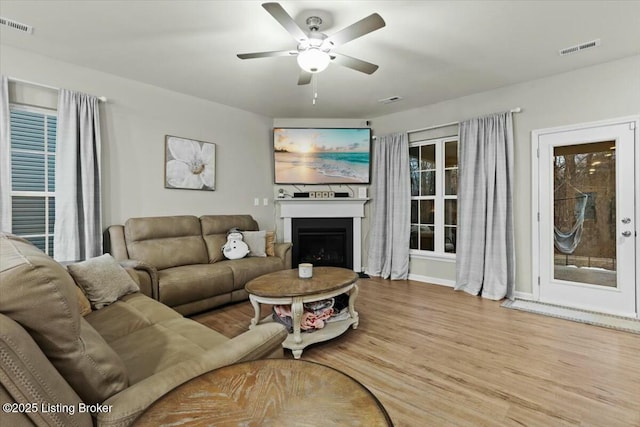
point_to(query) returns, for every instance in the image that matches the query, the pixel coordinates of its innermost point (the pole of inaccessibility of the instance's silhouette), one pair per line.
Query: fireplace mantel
(347, 207)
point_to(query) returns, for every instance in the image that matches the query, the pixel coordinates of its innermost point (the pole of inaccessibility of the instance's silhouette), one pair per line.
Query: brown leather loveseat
(184, 260)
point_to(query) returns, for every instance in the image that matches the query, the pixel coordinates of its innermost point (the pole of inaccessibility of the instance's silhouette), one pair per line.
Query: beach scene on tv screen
(321, 156)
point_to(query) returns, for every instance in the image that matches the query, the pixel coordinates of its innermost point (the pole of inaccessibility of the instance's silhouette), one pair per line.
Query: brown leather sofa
(58, 367)
(183, 258)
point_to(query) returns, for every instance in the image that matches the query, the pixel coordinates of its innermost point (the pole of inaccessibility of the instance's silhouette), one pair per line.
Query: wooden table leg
(352, 306)
(256, 308)
(296, 310)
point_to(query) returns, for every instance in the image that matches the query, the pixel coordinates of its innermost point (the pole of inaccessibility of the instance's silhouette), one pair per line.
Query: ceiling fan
(314, 50)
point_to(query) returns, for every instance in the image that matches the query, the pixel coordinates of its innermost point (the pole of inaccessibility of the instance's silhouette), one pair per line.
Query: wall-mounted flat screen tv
(322, 155)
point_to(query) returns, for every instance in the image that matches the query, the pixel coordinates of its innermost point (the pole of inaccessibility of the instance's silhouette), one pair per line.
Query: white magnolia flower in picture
(190, 164)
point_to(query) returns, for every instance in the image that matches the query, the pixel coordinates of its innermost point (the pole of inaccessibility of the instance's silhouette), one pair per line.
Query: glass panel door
(584, 213)
(587, 214)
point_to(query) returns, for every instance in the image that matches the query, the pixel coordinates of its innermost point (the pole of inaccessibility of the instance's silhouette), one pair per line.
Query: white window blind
(33, 147)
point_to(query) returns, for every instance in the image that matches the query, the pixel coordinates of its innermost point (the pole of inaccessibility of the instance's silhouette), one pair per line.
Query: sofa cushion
(39, 294)
(215, 241)
(165, 242)
(187, 283)
(163, 345)
(149, 336)
(215, 228)
(103, 280)
(127, 315)
(246, 269)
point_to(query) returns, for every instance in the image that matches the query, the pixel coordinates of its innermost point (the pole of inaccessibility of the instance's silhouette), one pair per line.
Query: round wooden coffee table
(269, 392)
(286, 288)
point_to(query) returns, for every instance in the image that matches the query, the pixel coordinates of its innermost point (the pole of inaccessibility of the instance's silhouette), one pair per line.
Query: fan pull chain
(314, 85)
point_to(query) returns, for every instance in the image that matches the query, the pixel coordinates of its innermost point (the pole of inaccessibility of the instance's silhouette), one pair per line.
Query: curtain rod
(27, 82)
(513, 110)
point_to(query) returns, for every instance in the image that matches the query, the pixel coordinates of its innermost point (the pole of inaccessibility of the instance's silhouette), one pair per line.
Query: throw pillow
(270, 243)
(103, 280)
(257, 242)
(83, 303)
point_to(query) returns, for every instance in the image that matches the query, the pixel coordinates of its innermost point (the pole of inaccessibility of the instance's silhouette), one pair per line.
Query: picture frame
(189, 164)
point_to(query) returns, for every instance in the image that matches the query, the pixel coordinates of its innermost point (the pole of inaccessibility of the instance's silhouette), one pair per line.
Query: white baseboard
(451, 283)
(432, 280)
(523, 295)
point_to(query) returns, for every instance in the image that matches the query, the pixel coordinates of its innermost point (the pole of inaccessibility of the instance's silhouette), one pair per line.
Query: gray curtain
(485, 257)
(391, 198)
(5, 158)
(78, 226)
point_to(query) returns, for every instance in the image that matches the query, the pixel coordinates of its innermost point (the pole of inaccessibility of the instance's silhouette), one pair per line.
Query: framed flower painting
(189, 164)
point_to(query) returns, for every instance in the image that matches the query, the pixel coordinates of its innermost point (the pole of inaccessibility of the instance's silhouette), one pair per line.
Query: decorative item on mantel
(189, 164)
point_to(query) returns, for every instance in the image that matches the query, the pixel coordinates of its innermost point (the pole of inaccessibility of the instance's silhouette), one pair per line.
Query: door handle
(626, 233)
(626, 220)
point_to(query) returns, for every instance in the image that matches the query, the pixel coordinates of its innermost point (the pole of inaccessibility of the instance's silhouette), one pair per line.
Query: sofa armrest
(127, 405)
(283, 251)
(115, 243)
(146, 275)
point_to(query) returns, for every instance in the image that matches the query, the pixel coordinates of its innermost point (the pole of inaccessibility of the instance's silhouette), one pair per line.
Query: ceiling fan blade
(285, 20)
(354, 63)
(364, 26)
(267, 54)
(305, 78)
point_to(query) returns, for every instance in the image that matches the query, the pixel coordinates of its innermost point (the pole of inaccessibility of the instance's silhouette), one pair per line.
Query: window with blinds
(33, 150)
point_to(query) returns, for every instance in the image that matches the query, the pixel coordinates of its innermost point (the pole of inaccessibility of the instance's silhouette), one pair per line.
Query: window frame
(439, 199)
(47, 194)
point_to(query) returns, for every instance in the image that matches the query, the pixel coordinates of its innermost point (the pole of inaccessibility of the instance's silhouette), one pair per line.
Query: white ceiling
(428, 52)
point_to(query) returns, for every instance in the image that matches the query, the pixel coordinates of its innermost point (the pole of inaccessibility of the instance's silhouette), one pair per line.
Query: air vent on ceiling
(390, 99)
(580, 47)
(16, 25)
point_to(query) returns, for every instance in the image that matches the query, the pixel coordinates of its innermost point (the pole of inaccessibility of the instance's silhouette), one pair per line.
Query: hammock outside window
(567, 241)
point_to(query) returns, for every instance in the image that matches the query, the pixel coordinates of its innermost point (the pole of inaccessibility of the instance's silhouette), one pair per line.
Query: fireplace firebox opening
(322, 241)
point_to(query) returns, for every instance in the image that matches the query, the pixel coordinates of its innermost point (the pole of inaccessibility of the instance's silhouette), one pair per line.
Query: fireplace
(348, 208)
(322, 241)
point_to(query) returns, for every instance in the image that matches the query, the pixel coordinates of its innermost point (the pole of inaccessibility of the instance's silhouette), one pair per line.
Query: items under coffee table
(286, 288)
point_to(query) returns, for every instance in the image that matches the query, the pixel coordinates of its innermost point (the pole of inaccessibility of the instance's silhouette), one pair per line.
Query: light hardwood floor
(436, 357)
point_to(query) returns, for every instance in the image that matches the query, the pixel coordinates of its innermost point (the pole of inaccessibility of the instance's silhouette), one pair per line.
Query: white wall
(136, 119)
(590, 94)
(138, 116)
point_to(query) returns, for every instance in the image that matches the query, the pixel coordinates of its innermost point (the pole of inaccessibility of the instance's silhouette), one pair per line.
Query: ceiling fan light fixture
(313, 60)
(314, 49)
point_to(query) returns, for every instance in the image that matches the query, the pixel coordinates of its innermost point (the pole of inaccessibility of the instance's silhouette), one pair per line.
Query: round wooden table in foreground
(269, 392)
